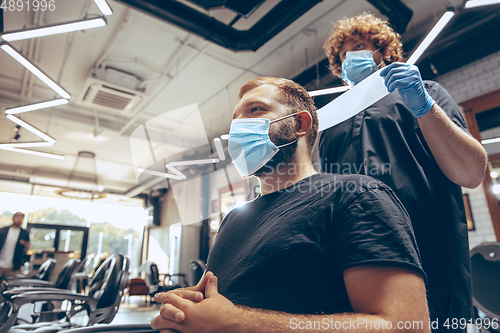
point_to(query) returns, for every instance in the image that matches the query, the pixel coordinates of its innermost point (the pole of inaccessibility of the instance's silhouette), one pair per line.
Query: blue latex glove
(411, 88)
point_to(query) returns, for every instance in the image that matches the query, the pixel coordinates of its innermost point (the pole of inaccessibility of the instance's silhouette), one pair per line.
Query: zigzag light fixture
(14, 147)
(10, 50)
(103, 7)
(55, 29)
(36, 106)
(33, 69)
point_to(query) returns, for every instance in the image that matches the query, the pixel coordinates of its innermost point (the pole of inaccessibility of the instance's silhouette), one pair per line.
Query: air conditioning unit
(112, 91)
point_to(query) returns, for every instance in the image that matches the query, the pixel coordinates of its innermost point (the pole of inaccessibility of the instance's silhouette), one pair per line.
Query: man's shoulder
(342, 188)
(356, 182)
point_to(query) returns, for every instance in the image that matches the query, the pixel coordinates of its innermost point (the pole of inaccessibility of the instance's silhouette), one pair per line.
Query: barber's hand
(213, 314)
(194, 294)
(411, 88)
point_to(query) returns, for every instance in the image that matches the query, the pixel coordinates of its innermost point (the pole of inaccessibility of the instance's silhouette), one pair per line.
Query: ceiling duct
(112, 91)
(242, 8)
(397, 12)
(192, 20)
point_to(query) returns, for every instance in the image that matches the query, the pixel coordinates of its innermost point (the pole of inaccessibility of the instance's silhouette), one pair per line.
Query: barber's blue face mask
(249, 144)
(357, 66)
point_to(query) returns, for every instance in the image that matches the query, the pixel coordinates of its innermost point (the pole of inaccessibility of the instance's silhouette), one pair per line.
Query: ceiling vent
(112, 91)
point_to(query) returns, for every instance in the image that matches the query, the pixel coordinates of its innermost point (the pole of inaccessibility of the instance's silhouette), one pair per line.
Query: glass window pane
(42, 239)
(71, 241)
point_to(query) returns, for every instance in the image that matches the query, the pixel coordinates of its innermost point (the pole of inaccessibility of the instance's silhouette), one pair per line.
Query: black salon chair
(43, 273)
(485, 268)
(196, 270)
(63, 280)
(101, 304)
(157, 284)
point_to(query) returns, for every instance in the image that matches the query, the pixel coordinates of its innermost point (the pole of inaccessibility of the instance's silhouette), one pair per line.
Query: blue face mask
(249, 144)
(357, 66)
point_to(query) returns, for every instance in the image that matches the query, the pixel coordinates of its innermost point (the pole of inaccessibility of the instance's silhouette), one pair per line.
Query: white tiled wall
(475, 79)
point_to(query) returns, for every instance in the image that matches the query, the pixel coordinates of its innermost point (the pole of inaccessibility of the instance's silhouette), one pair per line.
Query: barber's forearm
(461, 157)
(263, 321)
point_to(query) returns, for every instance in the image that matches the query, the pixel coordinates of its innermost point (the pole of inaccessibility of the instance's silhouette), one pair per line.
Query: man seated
(315, 251)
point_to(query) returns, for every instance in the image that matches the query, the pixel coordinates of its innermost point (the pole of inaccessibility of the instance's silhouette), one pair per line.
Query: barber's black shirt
(385, 141)
(287, 250)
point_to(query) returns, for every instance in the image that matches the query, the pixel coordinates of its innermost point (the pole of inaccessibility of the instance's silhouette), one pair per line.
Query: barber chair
(87, 270)
(157, 285)
(43, 274)
(485, 269)
(100, 305)
(63, 280)
(196, 270)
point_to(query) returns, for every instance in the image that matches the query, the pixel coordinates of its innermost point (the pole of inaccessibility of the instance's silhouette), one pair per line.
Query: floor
(136, 311)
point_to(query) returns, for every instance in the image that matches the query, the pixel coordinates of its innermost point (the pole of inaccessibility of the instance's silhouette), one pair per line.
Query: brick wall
(475, 79)
(472, 80)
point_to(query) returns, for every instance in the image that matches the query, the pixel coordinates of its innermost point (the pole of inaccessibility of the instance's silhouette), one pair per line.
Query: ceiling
(173, 69)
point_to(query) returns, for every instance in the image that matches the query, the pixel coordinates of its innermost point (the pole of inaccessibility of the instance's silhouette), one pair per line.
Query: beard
(280, 135)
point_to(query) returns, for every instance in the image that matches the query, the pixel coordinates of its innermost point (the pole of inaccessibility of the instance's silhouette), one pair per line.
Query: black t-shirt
(385, 142)
(287, 250)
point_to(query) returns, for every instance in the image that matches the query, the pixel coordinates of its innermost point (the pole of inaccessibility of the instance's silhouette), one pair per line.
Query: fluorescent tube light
(328, 91)
(33, 69)
(103, 7)
(487, 141)
(55, 29)
(26, 144)
(443, 21)
(30, 128)
(479, 3)
(32, 152)
(36, 106)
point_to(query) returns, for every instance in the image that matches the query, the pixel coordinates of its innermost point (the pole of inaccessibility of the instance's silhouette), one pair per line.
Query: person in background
(14, 242)
(315, 252)
(415, 140)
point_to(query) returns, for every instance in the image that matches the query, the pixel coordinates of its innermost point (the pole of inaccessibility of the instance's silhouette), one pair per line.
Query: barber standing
(14, 242)
(416, 141)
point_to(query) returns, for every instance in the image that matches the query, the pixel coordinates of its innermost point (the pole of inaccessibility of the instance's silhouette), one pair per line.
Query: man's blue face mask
(249, 144)
(357, 66)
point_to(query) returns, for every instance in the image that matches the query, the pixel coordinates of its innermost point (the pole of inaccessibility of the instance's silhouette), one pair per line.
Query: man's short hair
(293, 96)
(366, 26)
(18, 214)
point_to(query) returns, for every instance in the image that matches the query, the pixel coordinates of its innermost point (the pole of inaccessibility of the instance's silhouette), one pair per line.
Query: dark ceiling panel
(242, 8)
(398, 13)
(187, 18)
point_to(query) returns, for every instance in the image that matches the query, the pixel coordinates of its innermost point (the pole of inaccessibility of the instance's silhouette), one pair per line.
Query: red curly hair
(366, 26)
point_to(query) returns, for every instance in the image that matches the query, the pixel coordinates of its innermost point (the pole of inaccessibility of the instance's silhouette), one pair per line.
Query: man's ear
(303, 122)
